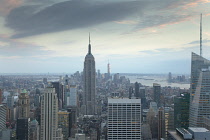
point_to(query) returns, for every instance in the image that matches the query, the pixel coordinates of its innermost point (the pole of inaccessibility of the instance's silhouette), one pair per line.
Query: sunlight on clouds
(7, 5)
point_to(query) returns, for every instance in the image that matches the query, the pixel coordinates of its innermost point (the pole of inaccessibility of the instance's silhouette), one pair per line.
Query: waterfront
(148, 80)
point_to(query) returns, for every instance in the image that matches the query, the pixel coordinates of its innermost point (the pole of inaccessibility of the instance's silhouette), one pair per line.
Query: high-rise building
(169, 77)
(89, 83)
(169, 120)
(200, 83)
(24, 105)
(108, 68)
(1, 96)
(3, 111)
(59, 90)
(23, 121)
(157, 93)
(137, 93)
(49, 116)
(130, 92)
(34, 130)
(124, 119)
(161, 123)
(10, 101)
(181, 110)
(63, 122)
(23, 129)
(142, 92)
(72, 99)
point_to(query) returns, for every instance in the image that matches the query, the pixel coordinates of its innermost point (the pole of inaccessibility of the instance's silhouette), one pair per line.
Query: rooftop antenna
(89, 37)
(89, 46)
(201, 36)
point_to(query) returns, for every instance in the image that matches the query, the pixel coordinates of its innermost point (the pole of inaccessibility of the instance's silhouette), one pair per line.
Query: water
(160, 79)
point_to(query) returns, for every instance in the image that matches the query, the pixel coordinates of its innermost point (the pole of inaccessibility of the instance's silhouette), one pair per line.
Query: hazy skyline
(139, 36)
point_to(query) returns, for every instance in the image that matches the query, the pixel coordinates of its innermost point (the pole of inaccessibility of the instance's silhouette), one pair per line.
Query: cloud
(198, 41)
(11, 48)
(161, 20)
(7, 5)
(68, 15)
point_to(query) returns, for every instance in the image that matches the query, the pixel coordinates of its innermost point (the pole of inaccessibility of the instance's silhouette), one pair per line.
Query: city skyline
(151, 36)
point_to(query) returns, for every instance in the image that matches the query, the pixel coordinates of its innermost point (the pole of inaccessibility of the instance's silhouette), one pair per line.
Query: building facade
(23, 121)
(63, 122)
(181, 110)
(124, 119)
(49, 116)
(89, 83)
(3, 111)
(199, 87)
(157, 93)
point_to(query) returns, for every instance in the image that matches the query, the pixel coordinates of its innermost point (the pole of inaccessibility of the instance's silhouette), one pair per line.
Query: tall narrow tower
(89, 82)
(201, 53)
(108, 68)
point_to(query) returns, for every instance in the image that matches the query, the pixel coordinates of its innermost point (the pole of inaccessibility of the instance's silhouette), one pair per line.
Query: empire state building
(89, 83)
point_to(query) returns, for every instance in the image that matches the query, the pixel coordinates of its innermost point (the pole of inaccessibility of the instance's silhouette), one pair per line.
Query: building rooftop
(175, 135)
(124, 100)
(198, 129)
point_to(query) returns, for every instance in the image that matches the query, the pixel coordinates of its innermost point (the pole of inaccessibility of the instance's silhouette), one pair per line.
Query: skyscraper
(63, 122)
(59, 90)
(3, 110)
(23, 121)
(0, 96)
(200, 82)
(181, 110)
(137, 93)
(161, 123)
(73, 96)
(49, 116)
(89, 83)
(124, 119)
(157, 93)
(24, 105)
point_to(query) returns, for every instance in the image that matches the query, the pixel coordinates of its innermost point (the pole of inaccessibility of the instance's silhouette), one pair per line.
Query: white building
(49, 116)
(124, 119)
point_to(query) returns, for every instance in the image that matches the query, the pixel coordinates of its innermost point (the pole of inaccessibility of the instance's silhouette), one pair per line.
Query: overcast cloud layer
(150, 35)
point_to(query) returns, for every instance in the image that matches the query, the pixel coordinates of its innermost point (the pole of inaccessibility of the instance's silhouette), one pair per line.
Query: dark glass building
(23, 128)
(181, 110)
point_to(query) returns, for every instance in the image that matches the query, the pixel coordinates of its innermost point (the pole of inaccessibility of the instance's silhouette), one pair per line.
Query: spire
(201, 35)
(89, 46)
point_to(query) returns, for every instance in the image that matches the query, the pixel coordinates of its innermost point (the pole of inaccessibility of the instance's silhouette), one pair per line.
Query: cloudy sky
(136, 36)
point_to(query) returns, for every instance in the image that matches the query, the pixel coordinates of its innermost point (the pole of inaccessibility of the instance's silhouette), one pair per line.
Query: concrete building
(23, 121)
(63, 122)
(24, 105)
(89, 83)
(124, 119)
(199, 133)
(161, 123)
(49, 116)
(34, 130)
(72, 100)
